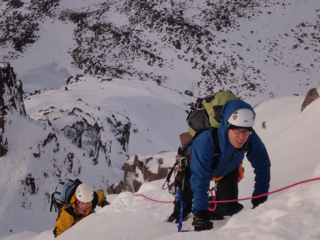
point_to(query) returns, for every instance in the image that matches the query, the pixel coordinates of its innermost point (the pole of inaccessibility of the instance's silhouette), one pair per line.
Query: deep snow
(291, 138)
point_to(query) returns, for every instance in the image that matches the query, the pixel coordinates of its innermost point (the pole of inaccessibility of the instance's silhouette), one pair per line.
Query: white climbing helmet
(84, 193)
(243, 117)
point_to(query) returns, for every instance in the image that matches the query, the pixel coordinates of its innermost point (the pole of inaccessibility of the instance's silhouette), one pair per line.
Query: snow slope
(155, 115)
(279, 42)
(292, 142)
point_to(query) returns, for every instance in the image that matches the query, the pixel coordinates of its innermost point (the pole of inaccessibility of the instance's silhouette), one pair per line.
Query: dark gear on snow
(257, 201)
(201, 221)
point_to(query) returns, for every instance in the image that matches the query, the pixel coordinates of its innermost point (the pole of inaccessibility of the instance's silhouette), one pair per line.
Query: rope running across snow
(242, 199)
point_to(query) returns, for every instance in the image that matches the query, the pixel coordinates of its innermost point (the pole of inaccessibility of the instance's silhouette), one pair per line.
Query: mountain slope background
(256, 49)
(106, 80)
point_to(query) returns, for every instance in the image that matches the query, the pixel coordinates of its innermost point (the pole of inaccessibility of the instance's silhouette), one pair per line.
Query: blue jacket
(204, 168)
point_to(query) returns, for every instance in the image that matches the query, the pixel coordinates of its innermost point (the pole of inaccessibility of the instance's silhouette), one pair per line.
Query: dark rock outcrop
(108, 51)
(310, 97)
(11, 100)
(116, 188)
(179, 33)
(137, 171)
(20, 23)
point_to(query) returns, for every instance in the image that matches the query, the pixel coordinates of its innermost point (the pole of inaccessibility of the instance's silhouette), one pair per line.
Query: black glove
(257, 201)
(104, 203)
(201, 221)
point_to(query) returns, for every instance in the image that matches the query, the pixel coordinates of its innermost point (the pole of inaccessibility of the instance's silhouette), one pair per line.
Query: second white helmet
(84, 193)
(243, 117)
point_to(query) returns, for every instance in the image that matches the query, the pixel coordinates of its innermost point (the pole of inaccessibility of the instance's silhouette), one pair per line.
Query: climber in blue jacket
(236, 138)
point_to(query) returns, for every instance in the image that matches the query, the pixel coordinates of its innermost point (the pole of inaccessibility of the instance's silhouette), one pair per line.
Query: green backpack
(206, 112)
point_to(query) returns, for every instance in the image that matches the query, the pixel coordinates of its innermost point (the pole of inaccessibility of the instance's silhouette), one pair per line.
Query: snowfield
(291, 139)
(267, 52)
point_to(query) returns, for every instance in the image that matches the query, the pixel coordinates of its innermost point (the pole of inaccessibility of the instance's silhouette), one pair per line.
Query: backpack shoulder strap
(71, 212)
(248, 147)
(53, 203)
(215, 137)
(76, 183)
(95, 201)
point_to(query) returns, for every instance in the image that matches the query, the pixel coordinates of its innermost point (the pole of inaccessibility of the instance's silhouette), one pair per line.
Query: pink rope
(141, 195)
(265, 194)
(214, 198)
(242, 199)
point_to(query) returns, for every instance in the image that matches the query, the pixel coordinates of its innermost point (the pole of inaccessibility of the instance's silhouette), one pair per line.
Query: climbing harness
(178, 170)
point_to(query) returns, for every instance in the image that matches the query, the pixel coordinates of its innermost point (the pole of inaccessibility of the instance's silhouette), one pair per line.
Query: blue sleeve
(201, 167)
(259, 159)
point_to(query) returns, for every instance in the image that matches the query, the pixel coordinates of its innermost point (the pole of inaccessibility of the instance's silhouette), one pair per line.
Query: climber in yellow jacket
(82, 203)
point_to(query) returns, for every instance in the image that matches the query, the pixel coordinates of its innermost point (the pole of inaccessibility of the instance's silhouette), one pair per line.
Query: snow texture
(157, 115)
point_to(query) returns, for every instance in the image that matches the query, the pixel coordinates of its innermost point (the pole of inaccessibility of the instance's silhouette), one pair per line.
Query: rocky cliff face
(85, 131)
(60, 143)
(190, 42)
(21, 23)
(11, 101)
(81, 129)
